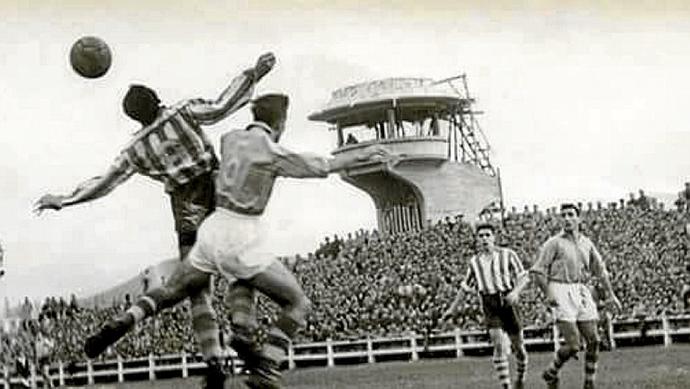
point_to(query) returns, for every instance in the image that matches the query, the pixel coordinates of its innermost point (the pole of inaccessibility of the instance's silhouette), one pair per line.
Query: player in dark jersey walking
(172, 148)
(565, 262)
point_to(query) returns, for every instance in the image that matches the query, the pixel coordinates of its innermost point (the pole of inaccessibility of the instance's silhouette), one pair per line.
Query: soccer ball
(90, 57)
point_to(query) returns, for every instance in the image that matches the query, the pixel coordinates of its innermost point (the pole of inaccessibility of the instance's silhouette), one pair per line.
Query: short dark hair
(565, 206)
(485, 226)
(141, 103)
(270, 107)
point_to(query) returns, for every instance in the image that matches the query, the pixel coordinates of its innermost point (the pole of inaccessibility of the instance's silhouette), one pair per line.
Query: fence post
(6, 376)
(185, 369)
(32, 375)
(667, 330)
(120, 369)
(556, 336)
(61, 373)
(89, 372)
(152, 372)
(329, 353)
(370, 350)
(291, 356)
(413, 346)
(458, 343)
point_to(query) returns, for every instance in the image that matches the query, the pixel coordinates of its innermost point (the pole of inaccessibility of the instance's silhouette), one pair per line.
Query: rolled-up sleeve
(547, 253)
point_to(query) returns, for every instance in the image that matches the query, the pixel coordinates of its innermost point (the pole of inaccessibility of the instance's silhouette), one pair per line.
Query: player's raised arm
(235, 96)
(307, 165)
(91, 189)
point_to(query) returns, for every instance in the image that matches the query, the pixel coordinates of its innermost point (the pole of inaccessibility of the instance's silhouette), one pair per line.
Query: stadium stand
(368, 286)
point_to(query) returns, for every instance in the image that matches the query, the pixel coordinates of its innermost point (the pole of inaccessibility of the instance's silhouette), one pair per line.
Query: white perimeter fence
(664, 330)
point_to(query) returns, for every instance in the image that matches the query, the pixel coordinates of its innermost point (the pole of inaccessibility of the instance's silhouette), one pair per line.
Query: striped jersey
(494, 272)
(173, 149)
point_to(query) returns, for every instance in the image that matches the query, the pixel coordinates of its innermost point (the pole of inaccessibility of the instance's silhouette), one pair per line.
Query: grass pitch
(630, 368)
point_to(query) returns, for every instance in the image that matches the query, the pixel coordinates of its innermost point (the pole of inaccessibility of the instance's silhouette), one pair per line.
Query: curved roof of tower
(376, 96)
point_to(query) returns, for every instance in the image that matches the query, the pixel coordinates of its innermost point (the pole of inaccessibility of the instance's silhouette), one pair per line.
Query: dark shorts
(499, 314)
(191, 204)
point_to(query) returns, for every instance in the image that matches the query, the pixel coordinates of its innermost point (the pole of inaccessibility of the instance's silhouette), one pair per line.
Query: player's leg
(204, 319)
(279, 284)
(566, 351)
(512, 326)
(500, 357)
(565, 314)
(191, 205)
(588, 325)
(589, 332)
(184, 281)
(492, 306)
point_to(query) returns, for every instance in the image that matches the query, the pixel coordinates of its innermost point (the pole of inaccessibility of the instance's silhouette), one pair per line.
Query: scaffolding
(466, 140)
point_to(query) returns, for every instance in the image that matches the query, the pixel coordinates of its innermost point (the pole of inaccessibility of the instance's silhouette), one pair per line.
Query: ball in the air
(90, 57)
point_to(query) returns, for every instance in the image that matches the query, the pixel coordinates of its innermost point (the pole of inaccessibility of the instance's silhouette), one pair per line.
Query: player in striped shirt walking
(172, 148)
(495, 272)
(564, 263)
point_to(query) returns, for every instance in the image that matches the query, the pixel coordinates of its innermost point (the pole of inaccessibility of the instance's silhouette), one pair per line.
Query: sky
(581, 101)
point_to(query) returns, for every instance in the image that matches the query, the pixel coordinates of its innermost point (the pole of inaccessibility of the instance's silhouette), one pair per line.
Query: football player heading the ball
(172, 148)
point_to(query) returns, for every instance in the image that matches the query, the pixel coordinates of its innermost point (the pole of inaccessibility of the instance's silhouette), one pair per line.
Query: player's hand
(512, 298)
(48, 201)
(616, 302)
(264, 64)
(550, 301)
(376, 153)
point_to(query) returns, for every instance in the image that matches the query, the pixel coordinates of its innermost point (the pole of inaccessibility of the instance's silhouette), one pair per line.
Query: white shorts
(575, 302)
(231, 244)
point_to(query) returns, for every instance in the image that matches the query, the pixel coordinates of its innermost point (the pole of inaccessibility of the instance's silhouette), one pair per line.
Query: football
(90, 57)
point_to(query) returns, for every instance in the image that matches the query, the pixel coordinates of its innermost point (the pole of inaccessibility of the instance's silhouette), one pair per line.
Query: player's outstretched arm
(235, 96)
(305, 165)
(91, 189)
(374, 153)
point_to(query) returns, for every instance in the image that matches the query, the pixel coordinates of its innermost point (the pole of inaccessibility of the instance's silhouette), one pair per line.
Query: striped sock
(521, 364)
(502, 370)
(561, 357)
(240, 302)
(205, 326)
(143, 308)
(591, 358)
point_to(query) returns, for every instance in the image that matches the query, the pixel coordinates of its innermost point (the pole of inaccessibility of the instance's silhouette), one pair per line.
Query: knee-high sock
(144, 307)
(205, 325)
(521, 361)
(562, 355)
(502, 369)
(591, 358)
(240, 303)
